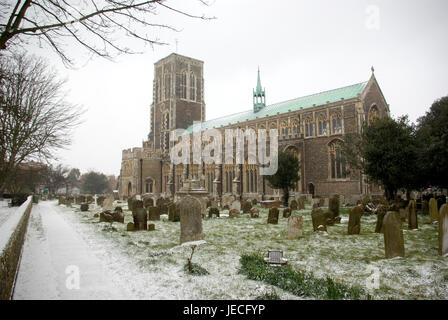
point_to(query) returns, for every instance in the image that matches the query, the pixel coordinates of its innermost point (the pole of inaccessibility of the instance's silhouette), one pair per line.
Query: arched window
(374, 114)
(309, 127)
(336, 123)
(295, 128)
(256, 180)
(247, 180)
(192, 87)
(337, 166)
(284, 129)
(322, 125)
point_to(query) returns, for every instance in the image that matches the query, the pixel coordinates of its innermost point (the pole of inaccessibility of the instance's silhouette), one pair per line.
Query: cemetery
(339, 251)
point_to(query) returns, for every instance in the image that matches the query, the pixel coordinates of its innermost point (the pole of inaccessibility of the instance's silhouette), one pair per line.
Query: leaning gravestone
(443, 230)
(293, 205)
(433, 212)
(412, 215)
(425, 207)
(380, 213)
(286, 213)
(354, 220)
(273, 216)
(295, 227)
(190, 219)
(234, 213)
(173, 213)
(153, 213)
(108, 203)
(333, 206)
(393, 235)
(106, 216)
(254, 213)
(213, 212)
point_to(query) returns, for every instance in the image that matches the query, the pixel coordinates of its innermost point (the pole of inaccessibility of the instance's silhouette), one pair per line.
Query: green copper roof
(305, 102)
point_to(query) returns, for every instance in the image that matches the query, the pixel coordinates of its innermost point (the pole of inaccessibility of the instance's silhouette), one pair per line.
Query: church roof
(296, 104)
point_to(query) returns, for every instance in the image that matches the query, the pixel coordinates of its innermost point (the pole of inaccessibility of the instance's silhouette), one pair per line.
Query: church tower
(259, 95)
(178, 97)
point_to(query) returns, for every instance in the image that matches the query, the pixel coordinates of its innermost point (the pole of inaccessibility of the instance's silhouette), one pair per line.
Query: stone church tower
(178, 97)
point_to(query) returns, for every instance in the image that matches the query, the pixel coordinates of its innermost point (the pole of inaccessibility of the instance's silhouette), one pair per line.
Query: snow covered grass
(151, 263)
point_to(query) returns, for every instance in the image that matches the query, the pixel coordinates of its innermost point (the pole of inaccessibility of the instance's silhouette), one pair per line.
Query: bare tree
(94, 24)
(35, 119)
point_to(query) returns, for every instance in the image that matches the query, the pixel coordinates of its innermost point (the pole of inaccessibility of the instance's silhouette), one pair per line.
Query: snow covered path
(53, 255)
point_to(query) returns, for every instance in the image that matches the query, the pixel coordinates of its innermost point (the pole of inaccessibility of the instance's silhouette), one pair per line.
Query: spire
(259, 97)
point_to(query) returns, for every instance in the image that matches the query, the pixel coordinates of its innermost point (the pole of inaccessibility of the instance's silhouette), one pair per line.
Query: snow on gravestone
(393, 235)
(295, 229)
(443, 230)
(190, 219)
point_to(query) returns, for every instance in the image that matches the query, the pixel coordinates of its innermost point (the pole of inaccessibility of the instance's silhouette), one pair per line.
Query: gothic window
(295, 128)
(198, 90)
(167, 86)
(309, 127)
(336, 123)
(231, 181)
(284, 128)
(337, 164)
(374, 114)
(256, 180)
(192, 87)
(247, 180)
(183, 86)
(322, 125)
(227, 181)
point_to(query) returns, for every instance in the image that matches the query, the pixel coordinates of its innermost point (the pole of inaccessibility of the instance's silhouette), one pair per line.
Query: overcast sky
(301, 47)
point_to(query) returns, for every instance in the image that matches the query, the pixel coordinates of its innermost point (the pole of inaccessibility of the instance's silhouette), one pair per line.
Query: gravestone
(148, 202)
(273, 216)
(108, 203)
(190, 219)
(163, 204)
(286, 213)
(140, 219)
(380, 213)
(246, 206)
(333, 206)
(322, 218)
(151, 227)
(354, 220)
(403, 214)
(443, 230)
(130, 227)
(293, 205)
(118, 215)
(153, 213)
(295, 227)
(425, 207)
(254, 202)
(301, 204)
(412, 215)
(213, 212)
(236, 205)
(234, 213)
(106, 216)
(173, 213)
(393, 235)
(84, 207)
(254, 213)
(433, 211)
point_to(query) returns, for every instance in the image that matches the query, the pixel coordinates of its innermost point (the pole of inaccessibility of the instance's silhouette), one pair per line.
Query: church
(312, 127)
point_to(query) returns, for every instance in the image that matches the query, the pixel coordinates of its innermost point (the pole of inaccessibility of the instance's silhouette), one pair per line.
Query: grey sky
(301, 47)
